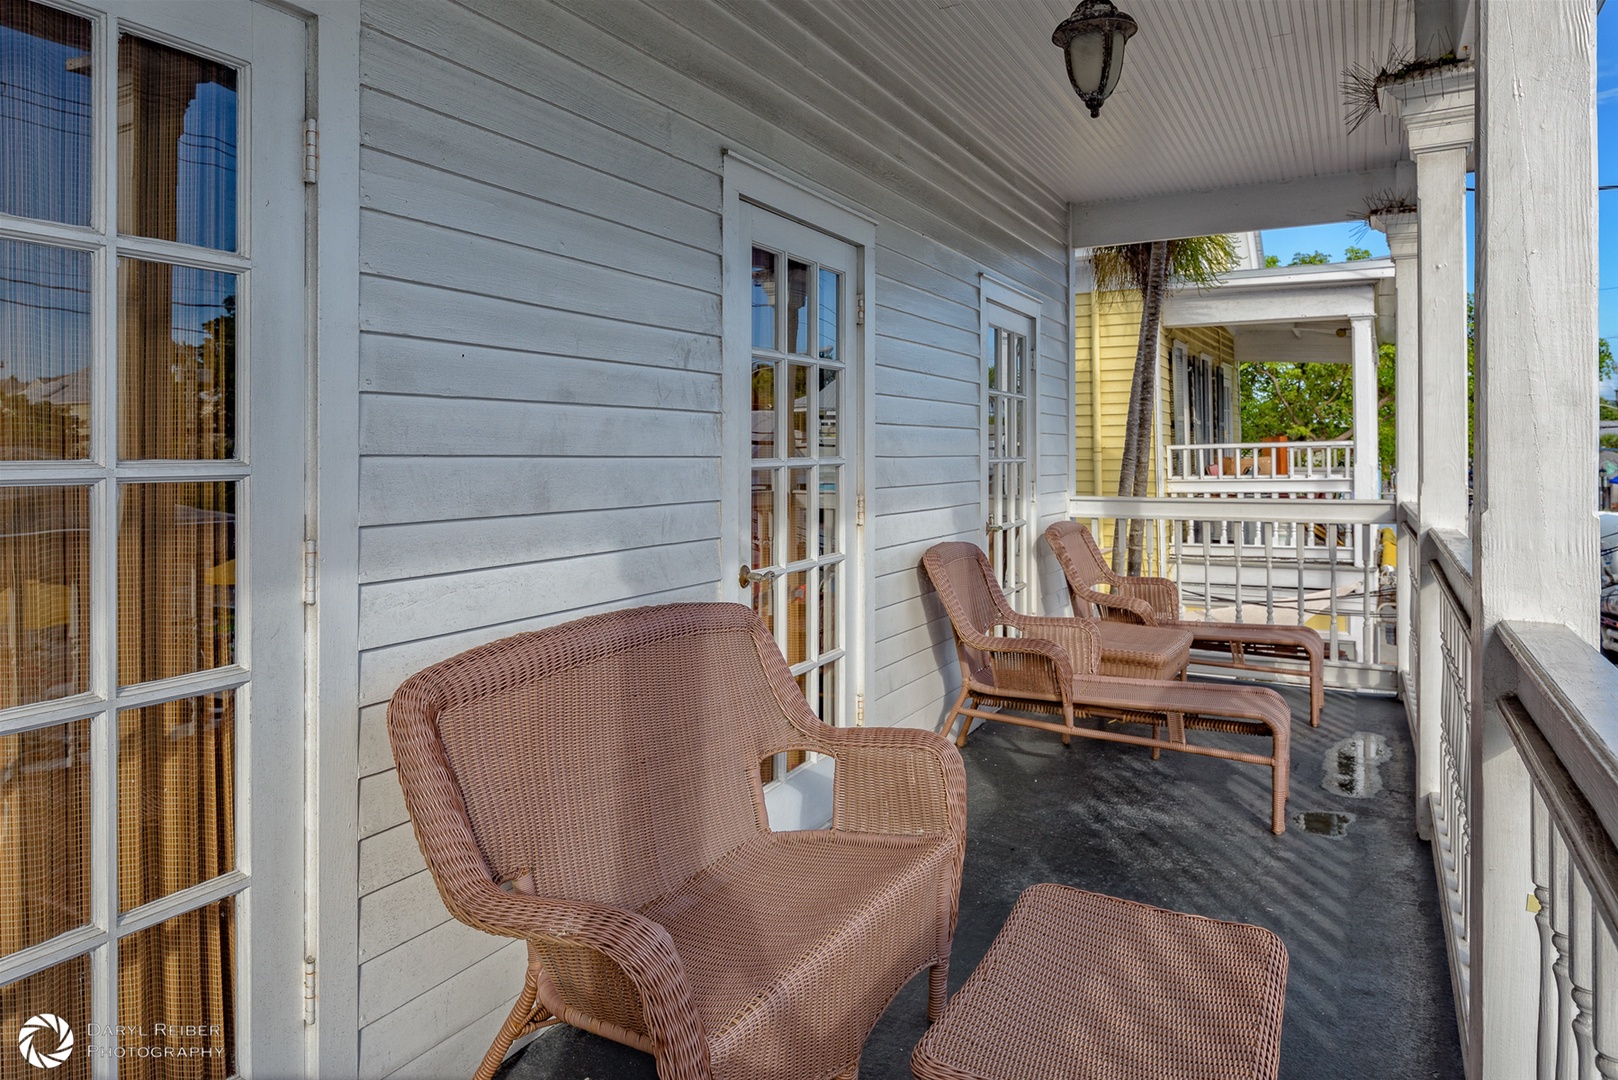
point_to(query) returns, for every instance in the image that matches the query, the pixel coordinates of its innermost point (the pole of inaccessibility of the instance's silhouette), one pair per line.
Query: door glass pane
(797, 306)
(44, 349)
(44, 593)
(828, 608)
(176, 579)
(764, 287)
(830, 384)
(763, 518)
(176, 146)
(764, 410)
(830, 301)
(177, 996)
(45, 113)
(799, 498)
(57, 995)
(797, 649)
(828, 504)
(45, 820)
(176, 796)
(176, 362)
(825, 705)
(798, 391)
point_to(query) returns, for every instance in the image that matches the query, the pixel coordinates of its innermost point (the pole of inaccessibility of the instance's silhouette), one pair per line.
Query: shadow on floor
(1368, 989)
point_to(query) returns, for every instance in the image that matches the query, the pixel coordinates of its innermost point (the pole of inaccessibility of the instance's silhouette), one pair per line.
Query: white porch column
(1438, 114)
(1400, 229)
(1366, 453)
(1534, 545)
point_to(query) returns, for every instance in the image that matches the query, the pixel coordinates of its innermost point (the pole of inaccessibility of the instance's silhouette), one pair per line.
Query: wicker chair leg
(1317, 691)
(956, 711)
(1278, 797)
(523, 1015)
(852, 1074)
(937, 990)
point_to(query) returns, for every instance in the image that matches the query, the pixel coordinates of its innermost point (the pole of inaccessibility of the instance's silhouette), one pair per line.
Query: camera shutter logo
(35, 1026)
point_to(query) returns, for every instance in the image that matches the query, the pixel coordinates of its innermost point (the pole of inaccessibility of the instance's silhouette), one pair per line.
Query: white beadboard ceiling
(1214, 93)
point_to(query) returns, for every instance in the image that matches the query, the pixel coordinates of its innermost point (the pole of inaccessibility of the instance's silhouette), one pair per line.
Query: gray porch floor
(1368, 990)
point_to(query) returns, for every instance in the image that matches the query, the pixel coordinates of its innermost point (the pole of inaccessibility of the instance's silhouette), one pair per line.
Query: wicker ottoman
(1080, 986)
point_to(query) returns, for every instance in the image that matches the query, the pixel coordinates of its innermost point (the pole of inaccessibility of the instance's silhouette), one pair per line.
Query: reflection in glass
(45, 820)
(764, 603)
(45, 113)
(828, 607)
(176, 146)
(825, 705)
(176, 362)
(182, 967)
(798, 390)
(830, 299)
(799, 498)
(830, 384)
(176, 579)
(763, 518)
(797, 306)
(62, 990)
(176, 796)
(44, 350)
(764, 410)
(797, 649)
(763, 299)
(44, 594)
(828, 504)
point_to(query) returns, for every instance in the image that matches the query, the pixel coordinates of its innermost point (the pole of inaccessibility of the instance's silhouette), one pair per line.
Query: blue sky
(1334, 238)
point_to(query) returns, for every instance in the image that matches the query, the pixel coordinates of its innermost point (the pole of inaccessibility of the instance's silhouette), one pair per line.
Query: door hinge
(859, 710)
(859, 311)
(859, 509)
(309, 990)
(311, 151)
(309, 560)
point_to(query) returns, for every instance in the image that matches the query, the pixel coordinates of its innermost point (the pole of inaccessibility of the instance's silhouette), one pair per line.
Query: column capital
(1438, 107)
(1400, 227)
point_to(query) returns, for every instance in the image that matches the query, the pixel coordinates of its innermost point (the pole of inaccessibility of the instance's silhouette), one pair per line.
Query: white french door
(152, 375)
(1009, 324)
(799, 478)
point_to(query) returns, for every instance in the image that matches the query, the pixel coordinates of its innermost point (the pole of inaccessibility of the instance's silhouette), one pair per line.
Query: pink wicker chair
(593, 789)
(1051, 665)
(1155, 601)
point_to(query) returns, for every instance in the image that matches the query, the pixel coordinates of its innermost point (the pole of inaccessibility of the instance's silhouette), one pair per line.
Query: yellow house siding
(1215, 341)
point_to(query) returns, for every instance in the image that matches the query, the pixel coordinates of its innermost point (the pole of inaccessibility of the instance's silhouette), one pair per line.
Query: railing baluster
(1605, 981)
(1540, 857)
(1582, 930)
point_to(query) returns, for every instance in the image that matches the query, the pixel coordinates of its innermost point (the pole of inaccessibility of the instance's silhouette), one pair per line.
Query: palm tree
(1147, 268)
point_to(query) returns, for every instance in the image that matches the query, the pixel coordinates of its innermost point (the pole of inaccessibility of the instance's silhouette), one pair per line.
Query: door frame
(773, 191)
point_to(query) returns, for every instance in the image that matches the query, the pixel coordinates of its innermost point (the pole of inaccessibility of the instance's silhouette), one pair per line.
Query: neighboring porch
(1368, 992)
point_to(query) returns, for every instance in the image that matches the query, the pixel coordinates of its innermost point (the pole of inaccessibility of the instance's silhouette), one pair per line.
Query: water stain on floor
(1323, 822)
(1352, 765)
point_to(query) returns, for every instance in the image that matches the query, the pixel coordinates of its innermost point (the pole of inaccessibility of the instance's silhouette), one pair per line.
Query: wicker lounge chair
(1155, 601)
(1050, 665)
(593, 789)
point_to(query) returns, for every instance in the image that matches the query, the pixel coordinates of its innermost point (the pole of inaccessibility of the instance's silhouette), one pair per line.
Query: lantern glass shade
(1095, 72)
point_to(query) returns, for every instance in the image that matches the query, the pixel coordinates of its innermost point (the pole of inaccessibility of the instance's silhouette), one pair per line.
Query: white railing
(1244, 467)
(1304, 562)
(1448, 806)
(1558, 721)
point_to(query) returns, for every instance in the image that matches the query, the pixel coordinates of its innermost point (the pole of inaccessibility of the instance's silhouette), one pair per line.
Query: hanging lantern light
(1092, 39)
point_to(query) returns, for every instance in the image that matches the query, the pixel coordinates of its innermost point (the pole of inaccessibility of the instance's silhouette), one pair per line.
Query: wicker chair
(1050, 665)
(594, 790)
(1155, 601)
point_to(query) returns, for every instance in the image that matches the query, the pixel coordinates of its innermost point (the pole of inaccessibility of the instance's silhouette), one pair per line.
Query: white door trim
(992, 293)
(772, 190)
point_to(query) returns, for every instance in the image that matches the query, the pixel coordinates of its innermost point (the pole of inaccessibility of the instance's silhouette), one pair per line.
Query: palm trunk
(1128, 534)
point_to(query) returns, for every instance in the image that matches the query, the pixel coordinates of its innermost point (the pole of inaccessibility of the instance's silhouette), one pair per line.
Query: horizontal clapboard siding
(541, 373)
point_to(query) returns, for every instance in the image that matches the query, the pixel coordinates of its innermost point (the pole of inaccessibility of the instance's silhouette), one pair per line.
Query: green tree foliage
(1356, 254)
(1271, 261)
(1313, 258)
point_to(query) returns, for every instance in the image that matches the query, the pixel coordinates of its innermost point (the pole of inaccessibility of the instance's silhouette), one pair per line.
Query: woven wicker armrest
(1120, 605)
(639, 947)
(1079, 638)
(1160, 594)
(898, 781)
